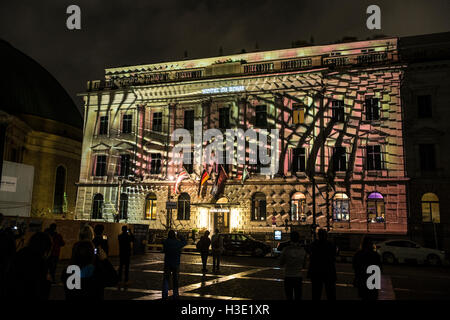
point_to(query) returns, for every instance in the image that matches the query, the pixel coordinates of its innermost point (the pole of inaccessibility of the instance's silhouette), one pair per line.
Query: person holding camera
(126, 238)
(172, 252)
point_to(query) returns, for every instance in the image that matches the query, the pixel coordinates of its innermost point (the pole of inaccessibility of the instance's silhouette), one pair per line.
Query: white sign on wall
(9, 184)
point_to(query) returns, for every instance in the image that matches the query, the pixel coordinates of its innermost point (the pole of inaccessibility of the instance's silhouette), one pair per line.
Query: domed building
(40, 140)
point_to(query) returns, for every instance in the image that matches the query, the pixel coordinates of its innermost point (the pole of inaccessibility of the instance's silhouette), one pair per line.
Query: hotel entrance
(216, 215)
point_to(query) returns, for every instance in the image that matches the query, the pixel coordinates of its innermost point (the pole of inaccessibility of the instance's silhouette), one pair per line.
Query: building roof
(28, 88)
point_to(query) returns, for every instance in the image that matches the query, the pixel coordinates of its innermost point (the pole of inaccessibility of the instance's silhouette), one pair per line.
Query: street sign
(277, 235)
(171, 205)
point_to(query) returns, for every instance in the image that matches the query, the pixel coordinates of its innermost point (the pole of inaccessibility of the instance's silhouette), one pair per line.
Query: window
(224, 118)
(374, 158)
(298, 207)
(184, 207)
(259, 207)
(338, 111)
(60, 188)
(341, 207)
(103, 128)
(127, 121)
(124, 165)
(155, 164)
(157, 122)
(375, 207)
(189, 119)
(123, 206)
(372, 109)
(427, 157)
(430, 208)
(298, 114)
(298, 160)
(424, 106)
(97, 206)
(188, 162)
(100, 166)
(261, 116)
(150, 206)
(339, 159)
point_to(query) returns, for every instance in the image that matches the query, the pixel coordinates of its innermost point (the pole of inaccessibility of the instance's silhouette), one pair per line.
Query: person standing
(203, 246)
(172, 251)
(293, 259)
(100, 239)
(126, 238)
(7, 252)
(216, 250)
(364, 258)
(57, 243)
(322, 267)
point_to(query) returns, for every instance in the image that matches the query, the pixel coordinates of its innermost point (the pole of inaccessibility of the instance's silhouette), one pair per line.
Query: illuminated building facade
(339, 115)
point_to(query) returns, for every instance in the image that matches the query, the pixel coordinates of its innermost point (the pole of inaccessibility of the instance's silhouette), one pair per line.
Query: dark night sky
(126, 32)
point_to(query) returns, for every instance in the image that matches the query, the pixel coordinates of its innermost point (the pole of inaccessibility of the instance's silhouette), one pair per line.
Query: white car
(392, 251)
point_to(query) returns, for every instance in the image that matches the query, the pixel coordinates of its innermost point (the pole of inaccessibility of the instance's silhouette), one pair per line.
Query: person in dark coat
(100, 239)
(172, 251)
(7, 252)
(126, 238)
(97, 273)
(364, 258)
(203, 246)
(57, 243)
(322, 267)
(29, 278)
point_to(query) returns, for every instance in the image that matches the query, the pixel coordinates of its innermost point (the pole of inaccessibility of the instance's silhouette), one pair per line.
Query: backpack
(199, 244)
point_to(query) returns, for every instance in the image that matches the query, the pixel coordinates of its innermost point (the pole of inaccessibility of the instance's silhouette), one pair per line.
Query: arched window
(430, 208)
(150, 206)
(298, 207)
(97, 206)
(123, 206)
(60, 189)
(184, 207)
(259, 206)
(341, 207)
(375, 207)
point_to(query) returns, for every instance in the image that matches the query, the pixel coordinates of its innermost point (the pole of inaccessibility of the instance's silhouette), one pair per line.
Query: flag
(220, 182)
(245, 174)
(183, 175)
(203, 179)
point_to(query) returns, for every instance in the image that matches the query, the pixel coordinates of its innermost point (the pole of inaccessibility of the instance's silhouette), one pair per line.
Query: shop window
(341, 205)
(375, 208)
(97, 206)
(430, 208)
(259, 207)
(184, 207)
(298, 207)
(60, 188)
(150, 206)
(123, 206)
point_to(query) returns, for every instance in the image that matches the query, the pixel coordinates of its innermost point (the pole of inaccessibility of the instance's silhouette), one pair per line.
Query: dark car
(284, 244)
(238, 243)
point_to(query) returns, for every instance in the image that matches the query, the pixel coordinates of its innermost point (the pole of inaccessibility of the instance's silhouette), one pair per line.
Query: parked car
(234, 243)
(281, 245)
(393, 251)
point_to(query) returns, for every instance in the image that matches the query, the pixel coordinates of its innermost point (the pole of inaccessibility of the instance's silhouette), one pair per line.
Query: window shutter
(289, 158)
(94, 165)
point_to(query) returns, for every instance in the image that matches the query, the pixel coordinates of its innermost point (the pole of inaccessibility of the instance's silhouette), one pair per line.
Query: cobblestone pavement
(249, 278)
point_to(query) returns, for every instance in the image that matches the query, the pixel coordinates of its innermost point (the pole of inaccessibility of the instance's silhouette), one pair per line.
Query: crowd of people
(90, 254)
